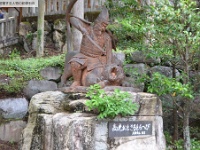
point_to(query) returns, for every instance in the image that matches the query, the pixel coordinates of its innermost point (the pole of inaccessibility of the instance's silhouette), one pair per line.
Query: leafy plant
(168, 138)
(110, 105)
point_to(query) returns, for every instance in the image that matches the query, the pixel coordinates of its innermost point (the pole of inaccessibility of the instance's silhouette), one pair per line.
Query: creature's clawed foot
(104, 83)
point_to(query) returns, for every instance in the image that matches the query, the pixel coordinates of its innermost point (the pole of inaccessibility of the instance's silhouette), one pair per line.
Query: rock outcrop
(13, 112)
(52, 127)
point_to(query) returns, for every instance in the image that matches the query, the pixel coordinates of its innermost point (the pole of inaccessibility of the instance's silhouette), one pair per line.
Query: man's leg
(67, 69)
(67, 73)
(76, 73)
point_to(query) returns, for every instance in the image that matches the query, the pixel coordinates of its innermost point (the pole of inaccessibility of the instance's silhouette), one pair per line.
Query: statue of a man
(95, 54)
(95, 62)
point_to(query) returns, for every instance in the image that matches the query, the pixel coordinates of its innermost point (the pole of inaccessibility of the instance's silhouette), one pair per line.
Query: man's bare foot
(75, 83)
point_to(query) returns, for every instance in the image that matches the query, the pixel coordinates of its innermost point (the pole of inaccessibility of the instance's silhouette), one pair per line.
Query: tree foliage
(177, 31)
(169, 30)
(162, 85)
(128, 23)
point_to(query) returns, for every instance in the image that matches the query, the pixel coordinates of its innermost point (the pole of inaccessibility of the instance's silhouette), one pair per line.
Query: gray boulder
(134, 70)
(139, 57)
(167, 71)
(13, 108)
(11, 131)
(58, 40)
(51, 73)
(24, 28)
(131, 82)
(120, 56)
(47, 40)
(27, 44)
(60, 25)
(47, 26)
(34, 41)
(38, 86)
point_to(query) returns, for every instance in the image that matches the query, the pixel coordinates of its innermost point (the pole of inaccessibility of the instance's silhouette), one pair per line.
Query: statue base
(84, 89)
(51, 126)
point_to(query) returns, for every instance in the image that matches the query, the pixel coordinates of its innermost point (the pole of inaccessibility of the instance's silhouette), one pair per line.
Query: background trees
(169, 30)
(176, 31)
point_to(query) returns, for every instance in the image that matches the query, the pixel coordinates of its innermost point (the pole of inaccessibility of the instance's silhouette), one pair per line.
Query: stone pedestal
(51, 127)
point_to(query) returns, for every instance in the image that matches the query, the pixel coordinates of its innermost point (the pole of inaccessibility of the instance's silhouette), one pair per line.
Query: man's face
(100, 26)
(104, 25)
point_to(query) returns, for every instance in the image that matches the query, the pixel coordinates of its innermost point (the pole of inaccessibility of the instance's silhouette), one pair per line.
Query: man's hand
(84, 31)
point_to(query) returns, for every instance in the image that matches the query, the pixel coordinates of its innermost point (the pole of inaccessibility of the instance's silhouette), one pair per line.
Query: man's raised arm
(80, 25)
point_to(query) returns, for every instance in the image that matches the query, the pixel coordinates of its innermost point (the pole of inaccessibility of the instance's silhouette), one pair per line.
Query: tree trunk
(175, 121)
(186, 109)
(149, 37)
(175, 115)
(186, 128)
(40, 31)
(78, 11)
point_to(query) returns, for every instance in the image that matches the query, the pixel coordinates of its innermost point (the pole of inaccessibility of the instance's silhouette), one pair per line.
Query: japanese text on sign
(130, 128)
(18, 3)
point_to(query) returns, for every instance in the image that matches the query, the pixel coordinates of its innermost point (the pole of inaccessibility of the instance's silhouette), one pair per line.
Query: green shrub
(110, 105)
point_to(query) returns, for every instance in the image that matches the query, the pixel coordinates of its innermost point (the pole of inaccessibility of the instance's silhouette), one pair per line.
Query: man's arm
(80, 25)
(85, 29)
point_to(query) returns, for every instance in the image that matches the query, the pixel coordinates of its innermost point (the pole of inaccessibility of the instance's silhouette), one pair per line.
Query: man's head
(101, 21)
(100, 26)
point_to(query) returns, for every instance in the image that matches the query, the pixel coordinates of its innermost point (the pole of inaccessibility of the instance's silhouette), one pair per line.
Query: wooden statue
(94, 63)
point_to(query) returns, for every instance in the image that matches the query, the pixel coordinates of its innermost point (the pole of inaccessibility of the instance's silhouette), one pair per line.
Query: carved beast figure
(112, 74)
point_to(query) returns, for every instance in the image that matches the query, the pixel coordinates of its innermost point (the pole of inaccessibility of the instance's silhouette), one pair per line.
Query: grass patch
(19, 71)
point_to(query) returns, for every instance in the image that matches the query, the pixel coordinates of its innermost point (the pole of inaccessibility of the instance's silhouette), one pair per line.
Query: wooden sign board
(129, 128)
